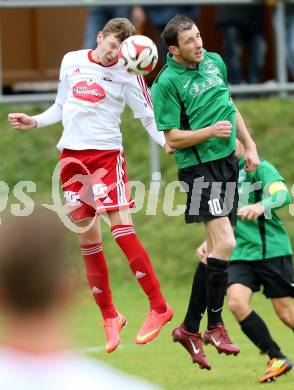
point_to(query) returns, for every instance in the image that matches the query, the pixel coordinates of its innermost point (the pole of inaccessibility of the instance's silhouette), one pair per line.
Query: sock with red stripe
(98, 278)
(140, 264)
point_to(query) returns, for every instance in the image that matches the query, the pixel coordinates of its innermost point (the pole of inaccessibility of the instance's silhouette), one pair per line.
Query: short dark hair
(176, 25)
(32, 262)
(122, 28)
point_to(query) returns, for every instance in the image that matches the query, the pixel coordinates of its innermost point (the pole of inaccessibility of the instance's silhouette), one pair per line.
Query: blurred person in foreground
(263, 257)
(36, 288)
(194, 109)
(92, 94)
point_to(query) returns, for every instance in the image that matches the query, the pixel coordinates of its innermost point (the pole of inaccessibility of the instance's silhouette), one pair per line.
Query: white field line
(101, 348)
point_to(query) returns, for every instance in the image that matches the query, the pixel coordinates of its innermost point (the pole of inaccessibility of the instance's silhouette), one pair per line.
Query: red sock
(140, 265)
(97, 275)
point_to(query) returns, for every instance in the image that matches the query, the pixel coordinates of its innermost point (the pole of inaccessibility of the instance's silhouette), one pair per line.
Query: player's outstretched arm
(21, 121)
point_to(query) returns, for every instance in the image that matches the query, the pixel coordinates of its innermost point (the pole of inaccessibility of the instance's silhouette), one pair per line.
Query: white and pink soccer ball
(138, 54)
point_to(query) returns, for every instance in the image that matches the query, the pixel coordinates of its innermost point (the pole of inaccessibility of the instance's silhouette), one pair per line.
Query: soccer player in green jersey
(193, 107)
(263, 257)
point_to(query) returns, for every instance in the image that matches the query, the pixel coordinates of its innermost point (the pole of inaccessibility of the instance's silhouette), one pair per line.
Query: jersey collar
(178, 67)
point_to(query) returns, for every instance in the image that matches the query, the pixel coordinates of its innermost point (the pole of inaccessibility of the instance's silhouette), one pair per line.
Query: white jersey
(22, 371)
(93, 98)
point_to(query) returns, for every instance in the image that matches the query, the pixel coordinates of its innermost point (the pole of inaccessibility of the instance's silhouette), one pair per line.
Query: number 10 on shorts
(215, 207)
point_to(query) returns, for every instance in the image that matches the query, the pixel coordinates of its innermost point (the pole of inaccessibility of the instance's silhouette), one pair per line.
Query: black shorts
(212, 190)
(275, 275)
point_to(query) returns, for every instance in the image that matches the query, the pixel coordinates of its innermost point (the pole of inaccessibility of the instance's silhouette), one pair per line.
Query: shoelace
(225, 335)
(199, 339)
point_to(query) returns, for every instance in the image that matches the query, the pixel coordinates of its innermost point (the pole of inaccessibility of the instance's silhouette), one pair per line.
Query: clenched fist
(221, 129)
(21, 121)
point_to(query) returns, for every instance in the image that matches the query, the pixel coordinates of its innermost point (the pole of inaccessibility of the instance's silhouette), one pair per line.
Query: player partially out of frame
(263, 257)
(194, 109)
(93, 90)
(37, 286)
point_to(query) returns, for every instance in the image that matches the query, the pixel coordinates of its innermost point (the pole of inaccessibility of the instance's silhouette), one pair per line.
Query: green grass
(32, 156)
(167, 363)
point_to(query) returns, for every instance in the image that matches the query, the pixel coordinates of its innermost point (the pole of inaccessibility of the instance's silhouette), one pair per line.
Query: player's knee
(226, 246)
(235, 304)
(285, 313)
(90, 238)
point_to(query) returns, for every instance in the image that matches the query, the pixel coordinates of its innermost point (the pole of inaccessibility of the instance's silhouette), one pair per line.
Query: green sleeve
(268, 174)
(277, 201)
(167, 106)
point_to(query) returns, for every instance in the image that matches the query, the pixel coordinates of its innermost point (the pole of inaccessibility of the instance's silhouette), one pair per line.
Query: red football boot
(153, 325)
(192, 342)
(112, 327)
(219, 338)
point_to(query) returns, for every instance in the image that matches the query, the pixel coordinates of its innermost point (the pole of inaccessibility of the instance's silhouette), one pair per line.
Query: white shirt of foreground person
(62, 371)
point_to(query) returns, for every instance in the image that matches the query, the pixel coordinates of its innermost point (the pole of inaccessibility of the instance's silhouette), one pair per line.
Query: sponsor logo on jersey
(210, 67)
(203, 86)
(89, 91)
(106, 77)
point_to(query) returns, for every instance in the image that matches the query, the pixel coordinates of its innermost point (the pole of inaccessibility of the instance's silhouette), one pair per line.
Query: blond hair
(122, 28)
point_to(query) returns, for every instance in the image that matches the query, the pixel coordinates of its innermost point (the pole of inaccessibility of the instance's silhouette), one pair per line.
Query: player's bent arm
(150, 126)
(243, 134)
(279, 196)
(250, 154)
(178, 139)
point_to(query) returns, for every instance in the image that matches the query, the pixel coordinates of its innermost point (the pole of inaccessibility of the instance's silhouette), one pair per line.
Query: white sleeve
(137, 97)
(54, 113)
(50, 116)
(150, 125)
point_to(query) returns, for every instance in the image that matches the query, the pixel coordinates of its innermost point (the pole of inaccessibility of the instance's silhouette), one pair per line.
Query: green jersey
(264, 238)
(194, 98)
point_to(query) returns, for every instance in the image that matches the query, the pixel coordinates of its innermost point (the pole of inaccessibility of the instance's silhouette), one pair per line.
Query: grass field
(32, 156)
(167, 363)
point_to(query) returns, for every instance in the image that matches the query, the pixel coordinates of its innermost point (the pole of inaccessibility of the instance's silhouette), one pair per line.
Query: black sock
(216, 279)
(197, 303)
(257, 331)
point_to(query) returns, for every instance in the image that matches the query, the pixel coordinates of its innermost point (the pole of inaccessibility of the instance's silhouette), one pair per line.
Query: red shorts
(94, 181)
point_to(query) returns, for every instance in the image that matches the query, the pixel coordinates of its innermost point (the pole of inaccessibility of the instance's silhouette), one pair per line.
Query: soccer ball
(138, 54)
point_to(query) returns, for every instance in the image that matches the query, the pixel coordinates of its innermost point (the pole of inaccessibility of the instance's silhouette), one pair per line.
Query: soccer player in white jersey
(92, 93)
